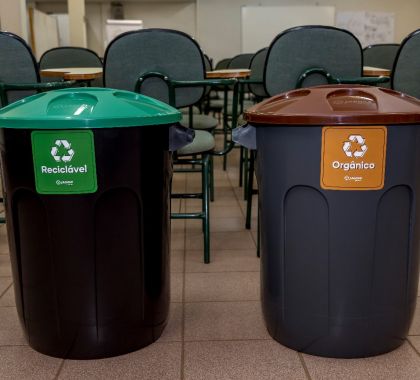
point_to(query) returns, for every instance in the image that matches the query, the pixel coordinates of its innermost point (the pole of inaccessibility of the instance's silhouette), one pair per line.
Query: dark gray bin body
(340, 269)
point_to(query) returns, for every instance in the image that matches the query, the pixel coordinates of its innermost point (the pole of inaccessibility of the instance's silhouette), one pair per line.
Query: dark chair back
(405, 72)
(257, 73)
(298, 49)
(208, 63)
(69, 56)
(169, 52)
(222, 64)
(17, 65)
(380, 55)
(240, 61)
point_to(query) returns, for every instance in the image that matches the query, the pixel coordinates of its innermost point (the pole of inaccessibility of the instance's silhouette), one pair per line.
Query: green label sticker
(64, 162)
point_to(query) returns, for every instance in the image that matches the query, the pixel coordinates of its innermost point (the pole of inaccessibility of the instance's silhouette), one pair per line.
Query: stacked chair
(380, 55)
(309, 56)
(169, 65)
(405, 72)
(19, 73)
(71, 57)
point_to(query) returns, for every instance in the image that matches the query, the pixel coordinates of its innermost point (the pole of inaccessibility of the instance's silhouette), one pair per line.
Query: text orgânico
(346, 166)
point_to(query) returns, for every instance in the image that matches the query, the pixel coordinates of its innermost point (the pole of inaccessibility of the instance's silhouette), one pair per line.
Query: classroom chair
(69, 56)
(168, 65)
(405, 72)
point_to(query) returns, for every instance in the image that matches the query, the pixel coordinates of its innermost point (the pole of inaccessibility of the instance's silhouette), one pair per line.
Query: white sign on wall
(260, 24)
(369, 27)
(116, 27)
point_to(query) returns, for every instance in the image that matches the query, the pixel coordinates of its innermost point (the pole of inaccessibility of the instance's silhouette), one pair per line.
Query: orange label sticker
(353, 158)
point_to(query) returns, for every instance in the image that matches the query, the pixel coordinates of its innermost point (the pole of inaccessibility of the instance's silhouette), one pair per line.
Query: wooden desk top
(74, 73)
(228, 73)
(369, 71)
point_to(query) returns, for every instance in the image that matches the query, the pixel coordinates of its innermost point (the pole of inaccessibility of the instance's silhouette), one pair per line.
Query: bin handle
(179, 136)
(246, 136)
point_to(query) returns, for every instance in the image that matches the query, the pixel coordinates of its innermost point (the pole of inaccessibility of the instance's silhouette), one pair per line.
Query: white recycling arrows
(66, 157)
(359, 140)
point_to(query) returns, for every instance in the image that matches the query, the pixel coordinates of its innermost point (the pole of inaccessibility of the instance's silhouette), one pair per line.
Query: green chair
(168, 65)
(405, 72)
(68, 56)
(380, 55)
(19, 74)
(312, 55)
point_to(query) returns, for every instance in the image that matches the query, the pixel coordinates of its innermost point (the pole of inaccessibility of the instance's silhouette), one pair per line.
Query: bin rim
(87, 107)
(336, 105)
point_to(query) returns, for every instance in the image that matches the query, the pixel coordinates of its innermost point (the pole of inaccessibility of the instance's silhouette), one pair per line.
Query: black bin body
(91, 271)
(340, 269)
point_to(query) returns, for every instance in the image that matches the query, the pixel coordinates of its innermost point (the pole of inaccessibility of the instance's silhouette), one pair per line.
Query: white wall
(219, 21)
(216, 23)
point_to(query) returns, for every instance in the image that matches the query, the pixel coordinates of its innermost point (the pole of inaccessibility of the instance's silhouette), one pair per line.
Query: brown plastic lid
(336, 105)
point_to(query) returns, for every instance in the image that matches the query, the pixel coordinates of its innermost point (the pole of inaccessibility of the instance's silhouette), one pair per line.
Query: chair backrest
(17, 64)
(297, 49)
(222, 64)
(169, 52)
(405, 72)
(69, 56)
(380, 55)
(240, 61)
(257, 72)
(208, 63)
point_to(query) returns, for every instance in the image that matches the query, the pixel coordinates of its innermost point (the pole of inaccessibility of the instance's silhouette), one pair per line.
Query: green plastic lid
(87, 107)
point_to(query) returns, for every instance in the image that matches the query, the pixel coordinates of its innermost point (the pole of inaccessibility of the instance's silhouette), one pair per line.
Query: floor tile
(241, 360)
(11, 333)
(401, 364)
(8, 298)
(223, 261)
(177, 225)
(159, 361)
(5, 267)
(177, 241)
(227, 286)
(222, 211)
(5, 282)
(224, 321)
(177, 261)
(415, 341)
(173, 330)
(177, 285)
(221, 240)
(218, 224)
(24, 363)
(415, 324)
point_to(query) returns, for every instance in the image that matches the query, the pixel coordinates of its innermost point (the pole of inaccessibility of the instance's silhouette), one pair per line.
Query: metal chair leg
(250, 190)
(245, 173)
(258, 235)
(206, 216)
(211, 172)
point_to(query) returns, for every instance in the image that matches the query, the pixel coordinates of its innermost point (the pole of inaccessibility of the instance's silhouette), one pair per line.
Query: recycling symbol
(69, 152)
(355, 140)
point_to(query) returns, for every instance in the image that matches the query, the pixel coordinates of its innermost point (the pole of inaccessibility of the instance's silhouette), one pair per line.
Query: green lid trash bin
(338, 170)
(86, 187)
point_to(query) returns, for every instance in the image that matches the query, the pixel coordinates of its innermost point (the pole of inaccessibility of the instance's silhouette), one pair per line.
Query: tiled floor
(216, 329)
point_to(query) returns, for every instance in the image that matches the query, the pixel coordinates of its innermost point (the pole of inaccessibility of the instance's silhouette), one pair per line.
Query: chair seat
(203, 142)
(200, 122)
(186, 110)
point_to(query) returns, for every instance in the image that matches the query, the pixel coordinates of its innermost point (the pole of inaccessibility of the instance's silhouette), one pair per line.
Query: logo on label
(359, 142)
(65, 146)
(353, 158)
(61, 169)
